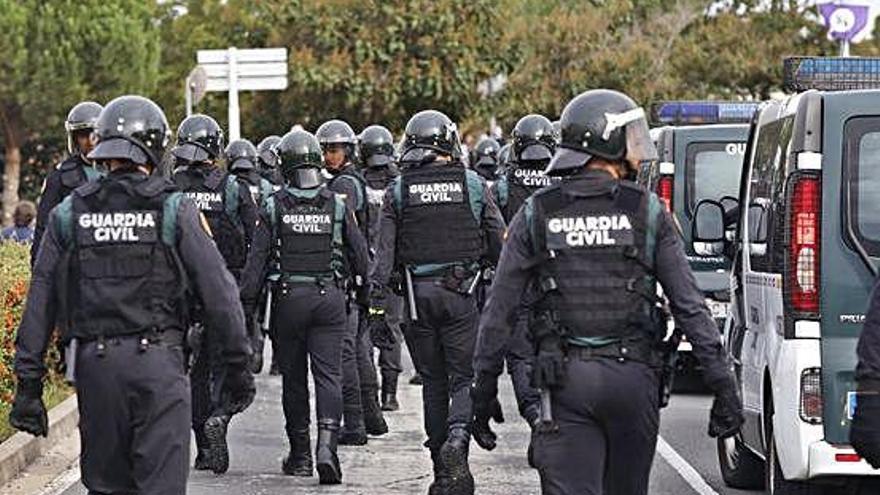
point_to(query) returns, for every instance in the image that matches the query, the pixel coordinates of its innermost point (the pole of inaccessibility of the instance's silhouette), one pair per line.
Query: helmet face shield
(639, 145)
(306, 177)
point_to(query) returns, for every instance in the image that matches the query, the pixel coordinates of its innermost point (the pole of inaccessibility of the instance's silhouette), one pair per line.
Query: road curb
(21, 449)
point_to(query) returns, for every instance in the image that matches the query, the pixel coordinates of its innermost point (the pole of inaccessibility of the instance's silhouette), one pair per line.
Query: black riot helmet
(533, 139)
(132, 128)
(83, 117)
(301, 159)
(241, 154)
(337, 133)
(376, 146)
(266, 151)
(199, 139)
(504, 157)
(428, 133)
(484, 158)
(606, 124)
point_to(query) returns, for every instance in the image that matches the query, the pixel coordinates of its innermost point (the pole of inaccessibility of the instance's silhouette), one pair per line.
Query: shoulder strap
(359, 187)
(92, 173)
(503, 188)
(269, 205)
(397, 190)
(64, 220)
(170, 208)
(89, 188)
(475, 194)
(655, 208)
(231, 194)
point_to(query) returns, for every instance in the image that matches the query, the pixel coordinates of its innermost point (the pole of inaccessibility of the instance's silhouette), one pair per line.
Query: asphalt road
(396, 464)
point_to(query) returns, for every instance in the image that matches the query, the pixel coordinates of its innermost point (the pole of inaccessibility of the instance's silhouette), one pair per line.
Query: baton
(473, 287)
(70, 361)
(267, 313)
(411, 295)
(547, 424)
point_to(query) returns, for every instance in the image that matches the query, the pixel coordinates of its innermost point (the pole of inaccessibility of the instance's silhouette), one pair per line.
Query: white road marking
(685, 470)
(64, 481)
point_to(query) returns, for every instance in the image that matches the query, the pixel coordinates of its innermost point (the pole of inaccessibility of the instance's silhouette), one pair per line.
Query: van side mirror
(708, 232)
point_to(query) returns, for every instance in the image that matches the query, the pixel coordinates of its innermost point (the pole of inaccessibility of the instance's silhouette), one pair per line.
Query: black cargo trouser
(134, 407)
(519, 356)
(369, 382)
(310, 323)
(441, 343)
(606, 439)
(206, 377)
(351, 379)
(390, 359)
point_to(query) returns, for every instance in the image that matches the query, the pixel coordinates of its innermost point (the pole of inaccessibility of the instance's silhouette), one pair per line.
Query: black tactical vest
(309, 233)
(122, 273)
(522, 182)
(436, 223)
(594, 247)
(212, 194)
(74, 172)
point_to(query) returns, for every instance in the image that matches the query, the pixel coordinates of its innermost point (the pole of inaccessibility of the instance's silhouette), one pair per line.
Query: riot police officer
(268, 162)
(113, 249)
(311, 237)
(865, 432)
(230, 211)
(439, 223)
(531, 148)
(74, 171)
(484, 159)
(362, 414)
(593, 246)
(376, 146)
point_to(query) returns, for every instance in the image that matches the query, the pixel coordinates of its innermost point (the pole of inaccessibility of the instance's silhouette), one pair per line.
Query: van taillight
(664, 190)
(804, 217)
(811, 396)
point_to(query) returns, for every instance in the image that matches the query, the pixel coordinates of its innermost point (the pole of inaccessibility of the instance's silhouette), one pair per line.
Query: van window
(862, 136)
(713, 171)
(765, 191)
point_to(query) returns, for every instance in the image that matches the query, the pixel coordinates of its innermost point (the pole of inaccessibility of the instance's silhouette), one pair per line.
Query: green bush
(15, 276)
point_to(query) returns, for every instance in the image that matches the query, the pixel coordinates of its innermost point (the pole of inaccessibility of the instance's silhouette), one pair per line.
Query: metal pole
(234, 124)
(187, 94)
(844, 47)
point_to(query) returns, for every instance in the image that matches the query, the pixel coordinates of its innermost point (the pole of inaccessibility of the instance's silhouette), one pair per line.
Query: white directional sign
(234, 70)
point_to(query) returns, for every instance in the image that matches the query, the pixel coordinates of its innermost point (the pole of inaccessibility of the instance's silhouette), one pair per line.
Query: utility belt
(640, 350)
(289, 280)
(168, 338)
(456, 278)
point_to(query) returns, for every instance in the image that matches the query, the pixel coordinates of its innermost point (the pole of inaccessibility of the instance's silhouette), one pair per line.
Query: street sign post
(233, 70)
(844, 22)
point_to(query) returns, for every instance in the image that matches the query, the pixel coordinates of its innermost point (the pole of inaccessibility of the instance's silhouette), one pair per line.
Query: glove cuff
(30, 387)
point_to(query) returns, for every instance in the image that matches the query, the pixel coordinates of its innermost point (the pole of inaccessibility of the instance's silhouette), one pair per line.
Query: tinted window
(863, 167)
(713, 171)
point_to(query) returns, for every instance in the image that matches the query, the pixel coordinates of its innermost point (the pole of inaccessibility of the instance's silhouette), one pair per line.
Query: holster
(454, 279)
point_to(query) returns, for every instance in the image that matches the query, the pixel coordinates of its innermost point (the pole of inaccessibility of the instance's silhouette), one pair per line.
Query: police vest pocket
(116, 262)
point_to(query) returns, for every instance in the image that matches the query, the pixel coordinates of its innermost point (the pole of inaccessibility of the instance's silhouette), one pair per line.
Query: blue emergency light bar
(702, 112)
(830, 73)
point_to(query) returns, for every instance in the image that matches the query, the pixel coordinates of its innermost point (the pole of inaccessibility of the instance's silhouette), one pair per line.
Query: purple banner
(844, 22)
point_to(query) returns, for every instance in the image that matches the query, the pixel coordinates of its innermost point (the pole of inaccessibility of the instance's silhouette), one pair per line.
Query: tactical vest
(597, 258)
(74, 172)
(217, 196)
(517, 185)
(120, 239)
(308, 233)
(436, 221)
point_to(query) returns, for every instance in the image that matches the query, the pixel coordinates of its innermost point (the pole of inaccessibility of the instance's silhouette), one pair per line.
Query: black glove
(726, 416)
(362, 296)
(484, 394)
(238, 389)
(865, 432)
(28, 411)
(548, 370)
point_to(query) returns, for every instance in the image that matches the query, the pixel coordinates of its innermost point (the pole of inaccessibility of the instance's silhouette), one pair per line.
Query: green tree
(56, 53)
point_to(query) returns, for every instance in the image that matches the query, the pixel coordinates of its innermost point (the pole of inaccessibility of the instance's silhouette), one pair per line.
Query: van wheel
(775, 482)
(740, 467)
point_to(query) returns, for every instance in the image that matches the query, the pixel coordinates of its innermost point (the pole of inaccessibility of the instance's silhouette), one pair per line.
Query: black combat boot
(454, 458)
(374, 422)
(299, 461)
(329, 470)
(440, 485)
(218, 450)
(202, 454)
(416, 380)
(354, 432)
(389, 393)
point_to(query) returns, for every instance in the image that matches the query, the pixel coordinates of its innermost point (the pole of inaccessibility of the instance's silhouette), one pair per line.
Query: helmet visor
(191, 153)
(119, 149)
(306, 177)
(536, 151)
(639, 145)
(269, 158)
(378, 160)
(567, 159)
(241, 164)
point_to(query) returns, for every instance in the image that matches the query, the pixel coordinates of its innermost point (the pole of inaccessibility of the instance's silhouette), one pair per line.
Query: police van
(700, 147)
(804, 251)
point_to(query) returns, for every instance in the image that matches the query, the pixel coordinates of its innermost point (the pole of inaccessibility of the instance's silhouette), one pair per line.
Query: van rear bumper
(823, 462)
